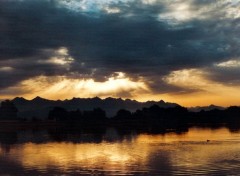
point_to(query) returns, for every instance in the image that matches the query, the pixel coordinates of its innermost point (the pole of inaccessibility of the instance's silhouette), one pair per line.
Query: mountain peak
(18, 98)
(38, 99)
(205, 108)
(212, 105)
(96, 98)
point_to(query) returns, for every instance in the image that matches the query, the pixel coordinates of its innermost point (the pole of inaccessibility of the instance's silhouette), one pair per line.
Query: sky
(183, 51)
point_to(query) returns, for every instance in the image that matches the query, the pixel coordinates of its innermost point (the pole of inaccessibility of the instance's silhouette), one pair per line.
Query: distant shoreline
(20, 125)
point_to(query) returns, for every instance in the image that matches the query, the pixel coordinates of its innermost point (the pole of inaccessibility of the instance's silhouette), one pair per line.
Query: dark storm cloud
(227, 76)
(135, 40)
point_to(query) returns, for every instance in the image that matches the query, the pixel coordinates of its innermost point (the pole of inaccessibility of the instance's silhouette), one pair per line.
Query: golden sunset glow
(202, 91)
(63, 87)
(205, 91)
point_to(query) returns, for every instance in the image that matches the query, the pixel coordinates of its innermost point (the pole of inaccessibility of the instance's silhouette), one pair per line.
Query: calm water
(112, 153)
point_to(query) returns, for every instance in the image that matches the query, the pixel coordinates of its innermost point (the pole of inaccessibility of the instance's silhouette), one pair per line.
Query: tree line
(151, 116)
(154, 115)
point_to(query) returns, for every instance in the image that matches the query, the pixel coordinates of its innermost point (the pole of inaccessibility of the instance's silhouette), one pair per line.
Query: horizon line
(116, 98)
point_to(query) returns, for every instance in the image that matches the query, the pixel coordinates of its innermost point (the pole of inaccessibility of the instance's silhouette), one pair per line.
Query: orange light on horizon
(200, 91)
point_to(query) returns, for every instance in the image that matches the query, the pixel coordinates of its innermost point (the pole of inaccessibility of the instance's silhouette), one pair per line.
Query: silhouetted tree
(96, 115)
(154, 117)
(8, 111)
(75, 115)
(99, 113)
(123, 114)
(233, 111)
(58, 114)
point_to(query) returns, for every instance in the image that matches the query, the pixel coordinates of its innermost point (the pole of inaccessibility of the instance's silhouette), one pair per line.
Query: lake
(195, 151)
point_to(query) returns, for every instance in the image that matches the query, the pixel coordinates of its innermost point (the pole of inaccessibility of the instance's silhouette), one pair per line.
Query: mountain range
(205, 108)
(40, 107)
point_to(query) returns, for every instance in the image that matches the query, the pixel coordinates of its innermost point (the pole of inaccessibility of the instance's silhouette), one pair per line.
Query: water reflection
(188, 153)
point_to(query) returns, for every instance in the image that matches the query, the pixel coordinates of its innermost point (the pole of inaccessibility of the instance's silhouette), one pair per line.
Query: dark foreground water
(46, 152)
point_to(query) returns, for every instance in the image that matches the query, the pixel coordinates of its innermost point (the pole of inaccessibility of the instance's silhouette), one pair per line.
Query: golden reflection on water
(194, 134)
(189, 149)
(65, 155)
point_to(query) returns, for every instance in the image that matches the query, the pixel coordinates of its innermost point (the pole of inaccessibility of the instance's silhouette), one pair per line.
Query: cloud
(229, 64)
(45, 86)
(226, 72)
(204, 87)
(146, 40)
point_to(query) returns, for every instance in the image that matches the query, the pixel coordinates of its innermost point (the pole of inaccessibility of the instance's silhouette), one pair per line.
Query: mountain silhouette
(205, 108)
(40, 107)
